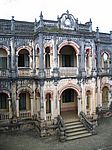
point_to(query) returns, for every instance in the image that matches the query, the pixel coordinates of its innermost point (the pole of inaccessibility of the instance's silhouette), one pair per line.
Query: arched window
(48, 103)
(3, 59)
(3, 101)
(87, 58)
(105, 60)
(47, 57)
(23, 58)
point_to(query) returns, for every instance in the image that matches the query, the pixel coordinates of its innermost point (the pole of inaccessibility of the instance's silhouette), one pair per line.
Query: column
(93, 59)
(17, 107)
(12, 46)
(55, 58)
(32, 106)
(10, 109)
(41, 57)
(12, 56)
(98, 57)
(82, 58)
(77, 63)
(55, 52)
(41, 100)
(34, 57)
(79, 104)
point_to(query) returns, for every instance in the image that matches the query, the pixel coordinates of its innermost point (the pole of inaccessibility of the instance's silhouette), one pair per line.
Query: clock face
(67, 22)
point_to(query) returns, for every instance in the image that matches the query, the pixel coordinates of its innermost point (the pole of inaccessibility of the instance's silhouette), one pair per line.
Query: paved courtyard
(30, 140)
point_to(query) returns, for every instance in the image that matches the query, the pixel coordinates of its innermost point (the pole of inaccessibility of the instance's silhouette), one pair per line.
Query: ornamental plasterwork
(24, 83)
(68, 21)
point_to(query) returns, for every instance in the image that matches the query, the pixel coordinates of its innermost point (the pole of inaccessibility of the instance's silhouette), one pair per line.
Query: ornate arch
(69, 43)
(49, 92)
(48, 44)
(105, 51)
(70, 86)
(89, 88)
(5, 48)
(28, 48)
(25, 89)
(6, 92)
(105, 85)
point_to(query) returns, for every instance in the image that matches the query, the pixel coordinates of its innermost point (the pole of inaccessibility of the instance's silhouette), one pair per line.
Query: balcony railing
(48, 116)
(48, 74)
(4, 115)
(4, 73)
(24, 72)
(25, 114)
(68, 71)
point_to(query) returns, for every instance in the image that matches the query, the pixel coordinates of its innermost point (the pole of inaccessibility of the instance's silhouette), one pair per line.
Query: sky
(100, 11)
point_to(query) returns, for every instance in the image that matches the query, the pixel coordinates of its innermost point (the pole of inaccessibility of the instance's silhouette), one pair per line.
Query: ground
(30, 140)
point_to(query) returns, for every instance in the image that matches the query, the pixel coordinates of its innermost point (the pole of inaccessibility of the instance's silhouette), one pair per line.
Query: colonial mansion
(53, 67)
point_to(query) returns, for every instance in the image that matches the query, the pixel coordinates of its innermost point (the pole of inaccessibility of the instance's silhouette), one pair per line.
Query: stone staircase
(75, 130)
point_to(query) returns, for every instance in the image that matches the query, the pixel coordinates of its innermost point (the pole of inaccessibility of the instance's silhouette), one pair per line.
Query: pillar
(82, 58)
(17, 107)
(79, 104)
(55, 53)
(55, 59)
(32, 106)
(10, 109)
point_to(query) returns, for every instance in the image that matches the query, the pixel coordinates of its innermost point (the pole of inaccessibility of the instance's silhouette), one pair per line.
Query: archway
(69, 104)
(4, 102)
(67, 57)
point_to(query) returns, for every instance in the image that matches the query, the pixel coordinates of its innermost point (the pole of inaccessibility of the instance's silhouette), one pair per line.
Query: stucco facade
(50, 67)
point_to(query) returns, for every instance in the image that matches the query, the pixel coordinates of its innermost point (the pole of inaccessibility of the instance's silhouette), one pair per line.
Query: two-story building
(50, 68)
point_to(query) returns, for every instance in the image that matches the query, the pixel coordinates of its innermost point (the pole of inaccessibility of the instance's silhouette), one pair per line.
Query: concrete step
(72, 123)
(76, 133)
(73, 126)
(78, 136)
(75, 129)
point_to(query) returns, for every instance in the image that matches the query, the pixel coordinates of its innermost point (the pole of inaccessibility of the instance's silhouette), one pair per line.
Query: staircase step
(75, 120)
(78, 136)
(75, 129)
(72, 123)
(77, 133)
(73, 126)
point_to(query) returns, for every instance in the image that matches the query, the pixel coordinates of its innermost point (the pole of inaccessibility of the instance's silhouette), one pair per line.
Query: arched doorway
(24, 105)
(69, 104)
(105, 97)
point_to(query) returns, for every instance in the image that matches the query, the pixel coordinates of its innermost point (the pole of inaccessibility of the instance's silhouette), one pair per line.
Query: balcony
(4, 73)
(24, 72)
(68, 71)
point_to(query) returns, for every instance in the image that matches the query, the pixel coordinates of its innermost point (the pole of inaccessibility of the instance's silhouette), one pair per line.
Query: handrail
(61, 127)
(89, 125)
